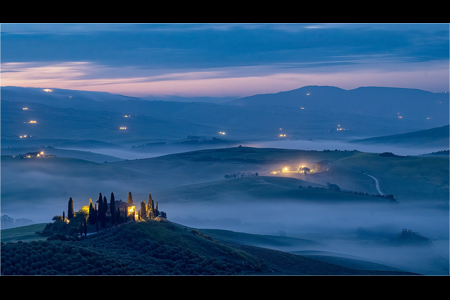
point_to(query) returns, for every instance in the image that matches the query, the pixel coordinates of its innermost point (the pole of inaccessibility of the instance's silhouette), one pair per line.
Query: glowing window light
(308, 94)
(302, 108)
(400, 117)
(282, 135)
(25, 108)
(32, 121)
(222, 132)
(42, 153)
(48, 90)
(123, 128)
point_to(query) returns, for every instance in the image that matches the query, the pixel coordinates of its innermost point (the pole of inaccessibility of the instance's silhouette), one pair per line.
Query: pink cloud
(241, 81)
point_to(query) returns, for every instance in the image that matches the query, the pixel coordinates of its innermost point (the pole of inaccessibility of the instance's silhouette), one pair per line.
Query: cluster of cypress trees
(98, 216)
(98, 212)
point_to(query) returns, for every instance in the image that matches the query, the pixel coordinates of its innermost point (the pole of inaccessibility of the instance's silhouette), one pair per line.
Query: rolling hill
(199, 175)
(259, 189)
(160, 248)
(307, 112)
(410, 104)
(433, 137)
(409, 178)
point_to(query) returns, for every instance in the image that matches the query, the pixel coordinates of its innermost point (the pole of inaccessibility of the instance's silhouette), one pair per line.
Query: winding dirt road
(376, 184)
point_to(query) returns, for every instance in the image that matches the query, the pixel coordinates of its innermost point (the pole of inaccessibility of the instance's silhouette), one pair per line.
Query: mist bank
(163, 148)
(364, 231)
(342, 145)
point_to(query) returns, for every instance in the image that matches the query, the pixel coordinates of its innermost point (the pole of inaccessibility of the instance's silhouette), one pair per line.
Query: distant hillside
(87, 124)
(434, 137)
(58, 97)
(408, 178)
(256, 189)
(374, 101)
(309, 112)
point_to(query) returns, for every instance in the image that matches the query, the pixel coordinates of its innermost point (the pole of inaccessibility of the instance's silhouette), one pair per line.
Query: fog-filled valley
(332, 182)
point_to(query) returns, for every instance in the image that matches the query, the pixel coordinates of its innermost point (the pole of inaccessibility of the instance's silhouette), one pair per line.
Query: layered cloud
(223, 59)
(230, 81)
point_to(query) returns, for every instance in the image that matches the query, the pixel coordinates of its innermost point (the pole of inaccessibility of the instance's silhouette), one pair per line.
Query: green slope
(158, 248)
(434, 137)
(23, 233)
(407, 177)
(256, 189)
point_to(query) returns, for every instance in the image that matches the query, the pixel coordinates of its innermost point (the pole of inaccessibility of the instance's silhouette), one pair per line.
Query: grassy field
(23, 233)
(259, 188)
(407, 177)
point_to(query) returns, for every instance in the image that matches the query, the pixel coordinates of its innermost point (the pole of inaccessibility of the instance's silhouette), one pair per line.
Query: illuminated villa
(33, 154)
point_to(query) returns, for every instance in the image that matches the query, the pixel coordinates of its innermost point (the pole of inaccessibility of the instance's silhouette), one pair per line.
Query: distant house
(34, 154)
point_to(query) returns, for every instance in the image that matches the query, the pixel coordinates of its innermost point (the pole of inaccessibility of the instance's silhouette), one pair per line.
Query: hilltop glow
(48, 90)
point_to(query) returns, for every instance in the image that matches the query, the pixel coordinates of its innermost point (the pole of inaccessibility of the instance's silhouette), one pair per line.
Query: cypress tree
(99, 209)
(85, 228)
(112, 208)
(96, 218)
(129, 198)
(92, 214)
(70, 213)
(63, 216)
(118, 215)
(150, 208)
(104, 209)
(143, 213)
(100, 202)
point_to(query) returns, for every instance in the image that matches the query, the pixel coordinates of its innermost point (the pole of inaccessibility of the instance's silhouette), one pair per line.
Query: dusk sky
(223, 59)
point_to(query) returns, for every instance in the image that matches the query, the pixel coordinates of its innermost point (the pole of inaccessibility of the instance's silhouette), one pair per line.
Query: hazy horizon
(223, 60)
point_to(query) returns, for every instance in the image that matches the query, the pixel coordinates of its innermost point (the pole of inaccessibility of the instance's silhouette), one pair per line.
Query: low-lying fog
(342, 145)
(319, 145)
(362, 230)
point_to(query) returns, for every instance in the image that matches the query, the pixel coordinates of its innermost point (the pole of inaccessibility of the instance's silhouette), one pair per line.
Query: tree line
(240, 174)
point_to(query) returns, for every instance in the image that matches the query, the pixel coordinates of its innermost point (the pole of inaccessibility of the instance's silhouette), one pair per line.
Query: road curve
(376, 184)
